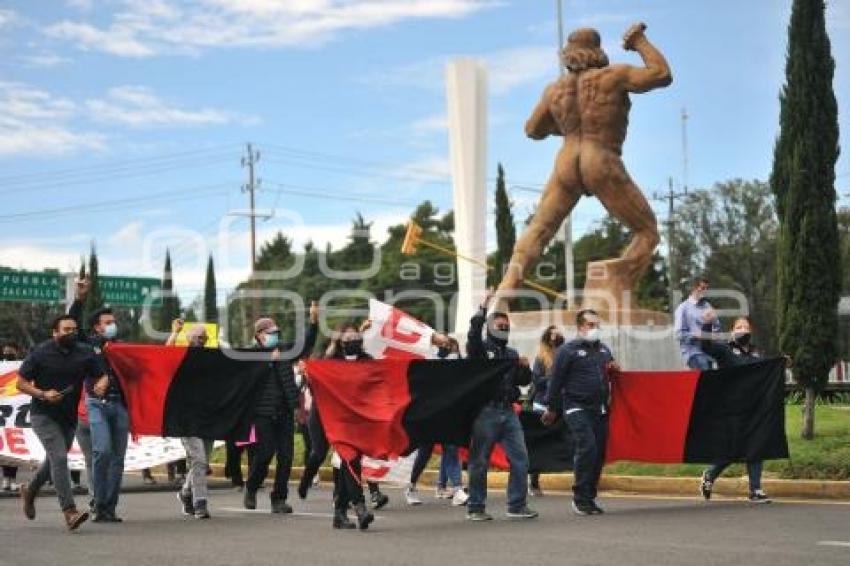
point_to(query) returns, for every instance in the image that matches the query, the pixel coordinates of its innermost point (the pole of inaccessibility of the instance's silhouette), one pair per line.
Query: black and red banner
(385, 408)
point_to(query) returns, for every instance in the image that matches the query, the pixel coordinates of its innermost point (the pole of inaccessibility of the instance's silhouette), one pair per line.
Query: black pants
(589, 430)
(347, 487)
(275, 437)
(423, 456)
(318, 446)
(301, 428)
(233, 462)
(10, 472)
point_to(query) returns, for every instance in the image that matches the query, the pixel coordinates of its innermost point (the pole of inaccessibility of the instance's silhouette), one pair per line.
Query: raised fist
(83, 286)
(633, 34)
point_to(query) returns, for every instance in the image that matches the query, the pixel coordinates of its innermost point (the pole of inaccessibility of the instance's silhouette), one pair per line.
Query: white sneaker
(316, 480)
(460, 497)
(411, 496)
(7, 484)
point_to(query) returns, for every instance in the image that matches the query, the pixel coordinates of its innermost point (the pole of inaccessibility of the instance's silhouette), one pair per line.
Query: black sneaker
(201, 511)
(111, 517)
(478, 516)
(303, 487)
(582, 508)
(185, 499)
(705, 486)
(596, 509)
(758, 496)
(249, 499)
(280, 506)
(522, 513)
(379, 500)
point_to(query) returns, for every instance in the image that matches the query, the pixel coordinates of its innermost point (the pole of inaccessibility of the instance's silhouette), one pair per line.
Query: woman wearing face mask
(541, 372)
(740, 350)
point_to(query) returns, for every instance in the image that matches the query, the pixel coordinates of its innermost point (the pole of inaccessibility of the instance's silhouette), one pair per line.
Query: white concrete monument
(466, 93)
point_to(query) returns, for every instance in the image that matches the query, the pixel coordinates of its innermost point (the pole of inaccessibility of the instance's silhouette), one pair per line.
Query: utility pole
(685, 148)
(569, 264)
(249, 160)
(670, 196)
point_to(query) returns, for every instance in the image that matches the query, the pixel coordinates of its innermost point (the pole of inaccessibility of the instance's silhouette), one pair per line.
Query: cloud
(139, 106)
(82, 5)
(7, 17)
(44, 60)
(431, 124)
(154, 27)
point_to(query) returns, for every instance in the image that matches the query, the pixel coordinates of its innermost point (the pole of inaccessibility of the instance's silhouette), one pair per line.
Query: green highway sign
(31, 286)
(128, 291)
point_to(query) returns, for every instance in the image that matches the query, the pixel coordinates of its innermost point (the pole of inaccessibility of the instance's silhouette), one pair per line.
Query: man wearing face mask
(108, 421)
(579, 390)
(497, 421)
(52, 375)
(274, 413)
(692, 320)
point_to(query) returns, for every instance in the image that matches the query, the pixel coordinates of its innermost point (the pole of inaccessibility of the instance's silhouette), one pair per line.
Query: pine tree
(210, 305)
(505, 227)
(803, 181)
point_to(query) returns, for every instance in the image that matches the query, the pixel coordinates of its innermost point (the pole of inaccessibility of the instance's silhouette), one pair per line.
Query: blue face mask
(272, 340)
(110, 331)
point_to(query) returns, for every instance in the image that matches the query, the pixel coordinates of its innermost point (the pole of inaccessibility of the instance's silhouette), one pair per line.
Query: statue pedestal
(639, 339)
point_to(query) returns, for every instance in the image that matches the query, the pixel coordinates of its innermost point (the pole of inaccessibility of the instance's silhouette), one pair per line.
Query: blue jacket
(579, 376)
(489, 349)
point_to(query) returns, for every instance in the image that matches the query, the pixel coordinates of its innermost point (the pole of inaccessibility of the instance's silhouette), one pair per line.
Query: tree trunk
(808, 430)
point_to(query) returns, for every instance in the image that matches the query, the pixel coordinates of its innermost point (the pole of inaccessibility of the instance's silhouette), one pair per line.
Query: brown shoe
(28, 500)
(74, 518)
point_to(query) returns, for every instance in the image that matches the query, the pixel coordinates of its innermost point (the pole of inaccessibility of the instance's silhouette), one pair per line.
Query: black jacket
(98, 343)
(278, 393)
(489, 349)
(730, 354)
(579, 377)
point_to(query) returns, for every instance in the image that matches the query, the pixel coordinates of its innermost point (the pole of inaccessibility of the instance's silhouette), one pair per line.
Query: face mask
(10, 357)
(271, 340)
(453, 356)
(110, 331)
(742, 338)
(592, 335)
(352, 347)
(67, 341)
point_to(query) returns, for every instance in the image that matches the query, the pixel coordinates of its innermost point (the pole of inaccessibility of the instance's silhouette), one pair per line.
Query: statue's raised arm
(654, 74)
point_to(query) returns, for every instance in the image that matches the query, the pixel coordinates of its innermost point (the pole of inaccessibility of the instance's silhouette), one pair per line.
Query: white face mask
(592, 335)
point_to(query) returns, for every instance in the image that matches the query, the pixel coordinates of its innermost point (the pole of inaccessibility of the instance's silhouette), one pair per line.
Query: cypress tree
(803, 181)
(505, 227)
(94, 300)
(170, 308)
(210, 306)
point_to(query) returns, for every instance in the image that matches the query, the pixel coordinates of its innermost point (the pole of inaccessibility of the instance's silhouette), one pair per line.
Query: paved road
(634, 531)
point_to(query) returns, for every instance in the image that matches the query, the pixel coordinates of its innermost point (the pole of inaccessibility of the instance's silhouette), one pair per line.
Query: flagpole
(569, 265)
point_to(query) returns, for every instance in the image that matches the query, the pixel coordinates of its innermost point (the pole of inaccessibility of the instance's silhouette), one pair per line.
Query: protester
(541, 372)
(740, 350)
(193, 494)
(580, 391)
(53, 375)
(348, 488)
(274, 411)
(497, 421)
(693, 318)
(83, 436)
(108, 421)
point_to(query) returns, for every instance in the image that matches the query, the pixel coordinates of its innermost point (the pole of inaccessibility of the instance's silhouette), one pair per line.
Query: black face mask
(67, 341)
(352, 347)
(743, 339)
(9, 357)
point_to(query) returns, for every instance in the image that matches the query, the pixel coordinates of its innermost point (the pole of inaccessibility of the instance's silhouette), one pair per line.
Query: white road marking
(834, 543)
(268, 512)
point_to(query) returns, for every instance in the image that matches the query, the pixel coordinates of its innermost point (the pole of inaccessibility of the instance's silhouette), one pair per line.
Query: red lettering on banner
(14, 440)
(391, 330)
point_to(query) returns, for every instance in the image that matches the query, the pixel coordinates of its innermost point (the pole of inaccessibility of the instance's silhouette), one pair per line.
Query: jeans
(753, 472)
(589, 430)
(83, 435)
(497, 424)
(57, 439)
(196, 479)
(109, 425)
(701, 362)
(449, 467)
(275, 437)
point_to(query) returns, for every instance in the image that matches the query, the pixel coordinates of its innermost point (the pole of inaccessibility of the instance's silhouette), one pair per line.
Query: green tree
(94, 300)
(505, 227)
(803, 181)
(170, 308)
(210, 300)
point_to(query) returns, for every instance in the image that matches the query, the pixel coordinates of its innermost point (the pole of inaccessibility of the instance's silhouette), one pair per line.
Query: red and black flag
(201, 392)
(734, 414)
(386, 408)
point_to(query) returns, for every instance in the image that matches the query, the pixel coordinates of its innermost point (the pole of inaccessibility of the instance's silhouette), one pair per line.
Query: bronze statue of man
(589, 107)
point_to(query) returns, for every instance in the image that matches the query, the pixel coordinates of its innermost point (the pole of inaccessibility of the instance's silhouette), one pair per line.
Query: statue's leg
(625, 201)
(560, 195)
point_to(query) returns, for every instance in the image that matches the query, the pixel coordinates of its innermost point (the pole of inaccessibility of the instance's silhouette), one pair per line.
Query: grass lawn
(825, 457)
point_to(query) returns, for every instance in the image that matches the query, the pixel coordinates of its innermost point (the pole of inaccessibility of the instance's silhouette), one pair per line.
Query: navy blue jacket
(579, 376)
(489, 349)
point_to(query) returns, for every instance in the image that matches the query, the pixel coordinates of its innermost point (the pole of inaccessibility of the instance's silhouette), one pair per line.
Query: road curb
(649, 485)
